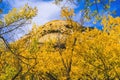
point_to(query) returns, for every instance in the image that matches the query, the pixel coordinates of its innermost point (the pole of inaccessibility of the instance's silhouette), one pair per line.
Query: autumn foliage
(87, 54)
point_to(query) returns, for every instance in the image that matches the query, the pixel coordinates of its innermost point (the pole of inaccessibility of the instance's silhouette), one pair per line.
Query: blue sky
(48, 11)
(115, 5)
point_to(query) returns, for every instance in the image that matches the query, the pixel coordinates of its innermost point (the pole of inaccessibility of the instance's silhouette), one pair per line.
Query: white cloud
(46, 10)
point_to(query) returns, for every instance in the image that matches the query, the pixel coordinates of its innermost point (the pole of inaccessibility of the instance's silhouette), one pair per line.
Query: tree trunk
(68, 76)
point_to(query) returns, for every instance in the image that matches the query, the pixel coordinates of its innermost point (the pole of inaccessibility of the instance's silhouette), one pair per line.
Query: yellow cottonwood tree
(10, 59)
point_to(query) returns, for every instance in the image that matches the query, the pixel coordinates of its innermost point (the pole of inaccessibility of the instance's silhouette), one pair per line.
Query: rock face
(53, 31)
(57, 29)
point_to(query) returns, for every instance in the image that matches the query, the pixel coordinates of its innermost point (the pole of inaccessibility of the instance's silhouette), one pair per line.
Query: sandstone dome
(56, 30)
